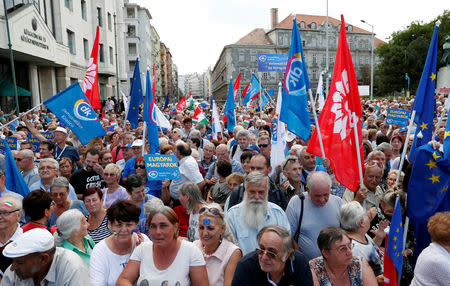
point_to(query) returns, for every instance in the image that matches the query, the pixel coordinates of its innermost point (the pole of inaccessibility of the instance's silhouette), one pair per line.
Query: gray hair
(49, 160)
(13, 198)
(209, 144)
(288, 159)
(257, 178)
(114, 168)
(152, 204)
(228, 235)
(163, 141)
(60, 182)
(243, 132)
(317, 175)
(195, 133)
(200, 126)
(296, 150)
(67, 222)
(373, 153)
(383, 146)
(27, 153)
(177, 130)
(195, 196)
(288, 241)
(351, 215)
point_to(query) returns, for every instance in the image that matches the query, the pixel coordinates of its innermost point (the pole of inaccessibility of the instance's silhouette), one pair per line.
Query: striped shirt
(100, 232)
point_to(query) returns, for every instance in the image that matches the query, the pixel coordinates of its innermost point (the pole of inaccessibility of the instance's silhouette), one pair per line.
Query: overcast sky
(197, 30)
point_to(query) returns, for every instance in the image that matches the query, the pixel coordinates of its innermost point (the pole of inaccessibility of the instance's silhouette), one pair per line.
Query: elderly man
(90, 176)
(36, 261)
(10, 230)
(370, 195)
(249, 217)
(243, 140)
(274, 262)
(25, 162)
(309, 164)
(208, 155)
(292, 171)
(176, 135)
(48, 170)
(315, 211)
(223, 154)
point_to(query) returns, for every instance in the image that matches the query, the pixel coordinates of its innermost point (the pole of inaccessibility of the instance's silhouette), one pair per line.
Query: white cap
(290, 136)
(32, 241)
(61, 129)
(137, 143)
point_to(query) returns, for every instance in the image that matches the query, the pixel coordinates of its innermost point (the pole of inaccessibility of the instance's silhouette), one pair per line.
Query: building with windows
(195, 83)
(242, 56)
(156, 60)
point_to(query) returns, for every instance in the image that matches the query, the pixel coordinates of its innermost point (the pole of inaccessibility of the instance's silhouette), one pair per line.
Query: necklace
(206, 255)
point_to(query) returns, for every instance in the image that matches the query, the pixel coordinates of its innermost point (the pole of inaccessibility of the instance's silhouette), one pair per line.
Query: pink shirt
(218, 261)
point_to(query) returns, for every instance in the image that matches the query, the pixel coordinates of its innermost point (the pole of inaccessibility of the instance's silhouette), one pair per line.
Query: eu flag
(427, 192)
(294, 107)
(149, 116)
(14, 181)
(252, 91)
(135, 97)
(447, 141)
(230, 108)
(394, 245)
(424, 102)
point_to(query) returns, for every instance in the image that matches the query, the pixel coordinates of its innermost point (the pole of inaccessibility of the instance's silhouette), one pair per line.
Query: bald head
(222, 152)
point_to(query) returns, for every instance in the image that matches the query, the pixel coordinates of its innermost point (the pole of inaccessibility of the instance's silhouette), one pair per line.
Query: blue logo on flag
(153, 174)
(83, 111)
(294, 82)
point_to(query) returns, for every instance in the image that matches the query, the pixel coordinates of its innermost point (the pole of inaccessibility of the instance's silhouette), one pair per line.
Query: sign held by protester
(12, 143)
(272, 62)
(36, 142)
(397, 116)
(160, 167)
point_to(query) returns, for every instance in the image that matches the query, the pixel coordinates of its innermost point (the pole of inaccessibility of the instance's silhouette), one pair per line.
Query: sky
(197, 30)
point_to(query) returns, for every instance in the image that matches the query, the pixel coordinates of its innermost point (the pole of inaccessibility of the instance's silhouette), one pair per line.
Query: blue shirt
(39, 186)
(246, 236)
(235, 168)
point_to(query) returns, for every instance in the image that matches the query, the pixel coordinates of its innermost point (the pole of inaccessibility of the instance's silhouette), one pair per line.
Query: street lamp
(371, 61)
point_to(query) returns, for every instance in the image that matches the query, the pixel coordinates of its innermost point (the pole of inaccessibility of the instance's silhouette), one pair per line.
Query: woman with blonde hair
(113, 191)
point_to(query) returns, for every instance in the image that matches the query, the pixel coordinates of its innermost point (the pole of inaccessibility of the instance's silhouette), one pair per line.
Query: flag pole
(358, 153)
(405, 146)
(144, 137)
(319, 135)
(18, 117)
(260, 96)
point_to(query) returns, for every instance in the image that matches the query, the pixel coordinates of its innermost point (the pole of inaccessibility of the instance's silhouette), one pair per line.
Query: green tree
(406, 52)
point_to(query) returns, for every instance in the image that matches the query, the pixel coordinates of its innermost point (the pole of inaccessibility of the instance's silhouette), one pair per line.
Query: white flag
(216, 123)
(278, 135)
(126, 102)
(161, 120)
(319, 92)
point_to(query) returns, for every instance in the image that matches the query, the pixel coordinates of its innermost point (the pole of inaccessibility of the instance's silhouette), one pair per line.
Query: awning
(7, 89)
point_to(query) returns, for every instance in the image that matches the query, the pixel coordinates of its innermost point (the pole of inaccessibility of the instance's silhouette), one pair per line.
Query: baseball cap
(61, 129)
(127, 146)
(32, 241)
(137, 143)
(403, 129)
(252, 147)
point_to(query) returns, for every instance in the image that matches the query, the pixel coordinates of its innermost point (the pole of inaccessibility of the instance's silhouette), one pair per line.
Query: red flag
(182, 103)
(154, 81)
(90, 84)
(236, 86)
(389, 272)
(245, 90)
(336, 120)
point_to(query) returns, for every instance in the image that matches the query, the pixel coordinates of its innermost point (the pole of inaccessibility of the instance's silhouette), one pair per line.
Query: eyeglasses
(270, 254)
(213, 211)
(7, 213)
(294, 160)
(139, 167)
(47, 168)
(18, 159)
(343, 248)
(263, 145)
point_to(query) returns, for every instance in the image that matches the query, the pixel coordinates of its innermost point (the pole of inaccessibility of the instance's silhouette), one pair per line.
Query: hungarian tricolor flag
(337, 119)
(199, 117)
(191, 101)
(90, 84)
(182, 103)
(236, 86)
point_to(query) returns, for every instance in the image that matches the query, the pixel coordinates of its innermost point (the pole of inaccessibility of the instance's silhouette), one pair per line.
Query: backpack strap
(297, 232)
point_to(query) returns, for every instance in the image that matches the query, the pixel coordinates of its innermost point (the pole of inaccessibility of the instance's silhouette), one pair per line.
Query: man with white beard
(247, 218)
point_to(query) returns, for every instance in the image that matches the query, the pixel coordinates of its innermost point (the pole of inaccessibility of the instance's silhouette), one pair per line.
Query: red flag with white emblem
(236, 86)
(337, 120)
(90, 84)
(182, 103)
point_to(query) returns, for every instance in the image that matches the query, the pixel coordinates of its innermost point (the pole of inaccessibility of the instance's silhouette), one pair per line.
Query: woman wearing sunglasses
(167, 259)
(217, 245)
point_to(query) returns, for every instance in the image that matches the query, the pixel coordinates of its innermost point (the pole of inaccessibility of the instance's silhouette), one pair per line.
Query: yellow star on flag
(395, 238)
(134, 107)
(398, 254)
(435, 156)
(431, 164)
(434, 178)
(139, 90)
(397, 230)
(444, 189)
(433, 76)
(395, 246)
(424, 125)
(446, 134)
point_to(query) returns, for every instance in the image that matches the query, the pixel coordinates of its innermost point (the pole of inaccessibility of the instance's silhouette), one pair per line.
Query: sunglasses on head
(139, 167)
(213, 211)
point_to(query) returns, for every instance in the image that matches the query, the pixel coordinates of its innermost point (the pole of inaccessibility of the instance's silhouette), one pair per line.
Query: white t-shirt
(106, 266)
(189, 173)
(177, 274)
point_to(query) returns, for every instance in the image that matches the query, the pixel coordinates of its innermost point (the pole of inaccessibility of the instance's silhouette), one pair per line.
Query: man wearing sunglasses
(264, 145)
(274, 262)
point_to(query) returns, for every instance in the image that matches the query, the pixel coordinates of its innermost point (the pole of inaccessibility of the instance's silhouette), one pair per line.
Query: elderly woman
(337, 265)
(191, 199)
(97, 218)
(113, 191)
(392, 178)
(59, 189)
(355, 220)
(65, 168)
(110, 255)
(217, 245)
(72, 234)
(433, 264)
(167, 259)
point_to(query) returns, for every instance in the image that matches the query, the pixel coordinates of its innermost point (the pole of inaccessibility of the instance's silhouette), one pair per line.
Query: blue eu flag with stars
(424, 102)
(135, 97)
(394, 245)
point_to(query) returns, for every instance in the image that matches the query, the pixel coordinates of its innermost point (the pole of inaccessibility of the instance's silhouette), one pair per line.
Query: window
(303, 43)
(131, 30)
(131, 65)
(71, 41)
(313, 25)
(349, 28)
(73, 80)
(109, 22)
(314, 74)
(111, 55)
(99, 17)
(314, 59)
(130, 12)
(265, 76)
(102, 89)
(83, 10)
(132, 48)
(86, 49)
(68, 4)
(302, 25)
(101, 53)
(241, 56)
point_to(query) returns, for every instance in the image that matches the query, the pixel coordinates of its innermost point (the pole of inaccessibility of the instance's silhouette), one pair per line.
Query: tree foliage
(406, 52)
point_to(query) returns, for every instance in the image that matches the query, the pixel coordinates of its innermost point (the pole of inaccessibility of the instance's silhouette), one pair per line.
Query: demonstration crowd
(94, 218)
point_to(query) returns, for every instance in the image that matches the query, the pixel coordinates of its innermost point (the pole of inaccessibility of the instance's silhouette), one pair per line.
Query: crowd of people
(93, 216)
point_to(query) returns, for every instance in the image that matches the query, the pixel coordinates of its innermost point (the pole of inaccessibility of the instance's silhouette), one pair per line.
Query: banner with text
(12, 143)
(397, 116)
(160, 167)
(36, 142)
(272, 62)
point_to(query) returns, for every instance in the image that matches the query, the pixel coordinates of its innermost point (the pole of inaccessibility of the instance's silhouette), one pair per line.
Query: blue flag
(424, 102)
(230, 108)
(394, 245)
(135, 97)
(166, 104)
(428, 192)
(73, 109)
(14, 181)
(447, 141)
(294, 107)
(253, 90)
(149, 116)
